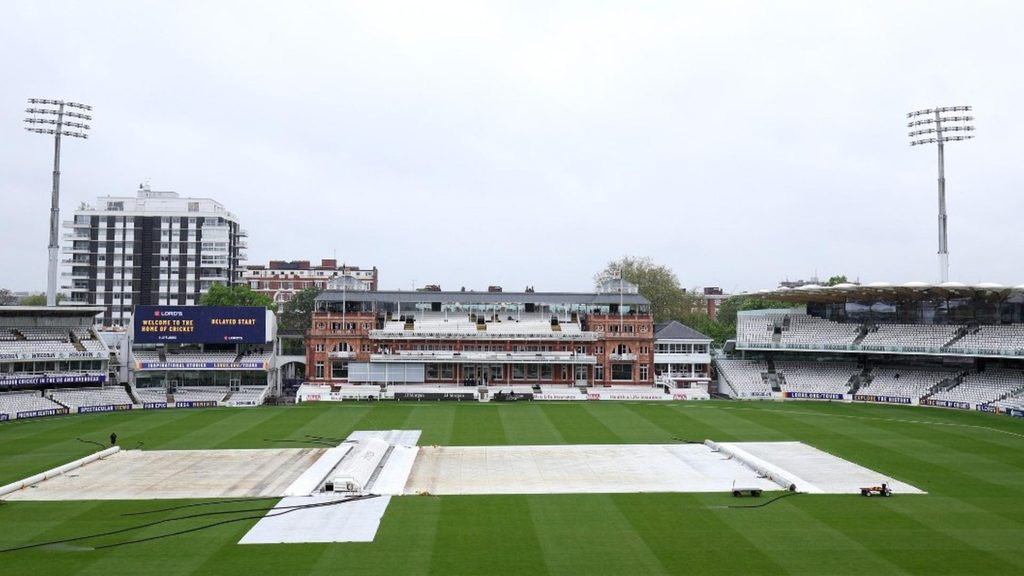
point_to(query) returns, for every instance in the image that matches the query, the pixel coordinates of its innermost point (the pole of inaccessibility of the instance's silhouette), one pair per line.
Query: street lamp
(937, 125)
(52, 117)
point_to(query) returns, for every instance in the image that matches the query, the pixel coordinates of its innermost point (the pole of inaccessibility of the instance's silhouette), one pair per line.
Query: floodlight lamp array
(940, 110)
(943, 139)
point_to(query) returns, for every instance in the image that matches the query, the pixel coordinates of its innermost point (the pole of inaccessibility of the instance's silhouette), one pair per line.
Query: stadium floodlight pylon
(51, 117)
(938, 126)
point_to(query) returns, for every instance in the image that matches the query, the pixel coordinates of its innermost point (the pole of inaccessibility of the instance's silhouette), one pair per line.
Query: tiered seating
(910, 336)
(754, 329)
(151, 395)
(201, 357)
(6, 335)
(995, 338)
(810, 330)
(75, 398)
(146, 356)
(248, 397)
(256, 357)
(984, 387)
(45, 333)
(1015, 401)
(745, 377)
(82, 333)
(904, 382)
(829, 377)
(200, 394)
(94, 346)
(13, 402)
(36, 346)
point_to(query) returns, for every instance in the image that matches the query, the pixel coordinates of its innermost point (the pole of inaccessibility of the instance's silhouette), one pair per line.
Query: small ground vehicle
(882, 490)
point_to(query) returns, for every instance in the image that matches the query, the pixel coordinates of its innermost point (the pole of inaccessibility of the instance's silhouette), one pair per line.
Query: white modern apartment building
(152, 248)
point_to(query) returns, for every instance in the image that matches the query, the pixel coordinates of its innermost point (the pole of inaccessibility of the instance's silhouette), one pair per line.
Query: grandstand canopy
(409, 297)
(885, 291)
(50, 311)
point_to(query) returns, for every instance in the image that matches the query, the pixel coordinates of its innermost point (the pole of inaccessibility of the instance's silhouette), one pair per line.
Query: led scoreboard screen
(200, 324)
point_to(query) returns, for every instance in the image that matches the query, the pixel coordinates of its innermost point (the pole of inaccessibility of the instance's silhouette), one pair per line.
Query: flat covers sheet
(156, 474)
(575, 469)
(290, 523)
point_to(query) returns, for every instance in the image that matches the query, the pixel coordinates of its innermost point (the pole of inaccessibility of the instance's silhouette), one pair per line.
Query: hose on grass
(263, 512)
(91, 442)
(195, 504)
(763, 504)
(284, 510)
(299, 441)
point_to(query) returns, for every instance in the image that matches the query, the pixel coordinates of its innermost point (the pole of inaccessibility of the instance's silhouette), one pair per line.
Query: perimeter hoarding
(200, 324)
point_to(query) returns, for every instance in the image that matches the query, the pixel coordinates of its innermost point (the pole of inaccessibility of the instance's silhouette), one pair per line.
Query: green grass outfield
(971, 522)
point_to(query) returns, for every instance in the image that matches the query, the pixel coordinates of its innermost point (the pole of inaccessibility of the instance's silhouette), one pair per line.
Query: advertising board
(200, 324)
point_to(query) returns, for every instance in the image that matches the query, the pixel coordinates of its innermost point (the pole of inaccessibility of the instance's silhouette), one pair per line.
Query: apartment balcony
(622, 357)
(472, 357)
(341, 355)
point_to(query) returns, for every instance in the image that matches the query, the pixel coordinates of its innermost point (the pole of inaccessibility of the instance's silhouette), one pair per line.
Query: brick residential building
(281, 279)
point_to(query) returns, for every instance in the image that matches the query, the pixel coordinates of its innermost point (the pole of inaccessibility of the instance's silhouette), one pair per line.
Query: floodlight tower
(50, 118)
(930, 126)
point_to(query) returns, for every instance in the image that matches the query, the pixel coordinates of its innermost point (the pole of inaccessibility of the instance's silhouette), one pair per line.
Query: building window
(622, 371)
(643, 372)
(319, 347)
(599, 372)
(320, 370)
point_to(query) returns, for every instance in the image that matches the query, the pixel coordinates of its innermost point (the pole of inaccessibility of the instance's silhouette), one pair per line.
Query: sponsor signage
(200, 324)
(201, 365)
(884, 399)
(628, 396)
(54, 379)
(39, 413)
(558, 396)
(986, 408)
(511, 397)
(50, 355)
(196, 404)
(1016, 413)
(104, 408)
(813, 395)
(4, 417)
(154, 405)
(947, 404)
(438, 396)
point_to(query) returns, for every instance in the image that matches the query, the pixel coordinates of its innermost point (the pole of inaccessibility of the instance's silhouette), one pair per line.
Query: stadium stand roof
(677, 331)
(50, 311)
(410, 297)
(880, 290)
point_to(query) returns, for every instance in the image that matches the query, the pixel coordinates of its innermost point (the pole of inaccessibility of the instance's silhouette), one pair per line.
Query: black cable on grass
(285, 510)
(194, 504)
(264, 512)
(685, 441)
(763, 504)
(299, 441)
(91, 442)
(327, 438)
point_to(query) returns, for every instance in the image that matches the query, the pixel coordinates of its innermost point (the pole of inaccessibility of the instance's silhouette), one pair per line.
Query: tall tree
(237, 295)
(728, 309)
(7, 298)
(297, 315)
(655, 282)
(38, 299)
(841, 279)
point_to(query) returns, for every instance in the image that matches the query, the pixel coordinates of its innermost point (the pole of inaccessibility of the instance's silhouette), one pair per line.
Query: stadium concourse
(948, 345)
(340, 494)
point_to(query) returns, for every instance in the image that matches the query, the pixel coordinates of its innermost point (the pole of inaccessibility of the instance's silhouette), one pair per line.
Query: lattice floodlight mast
(938, 126)
(54, 117)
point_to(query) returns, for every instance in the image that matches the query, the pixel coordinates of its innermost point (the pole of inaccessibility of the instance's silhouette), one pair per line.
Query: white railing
(494, 357)
(483, 335)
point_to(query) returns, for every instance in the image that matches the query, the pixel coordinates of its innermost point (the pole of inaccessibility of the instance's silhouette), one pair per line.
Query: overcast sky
(521, 143)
